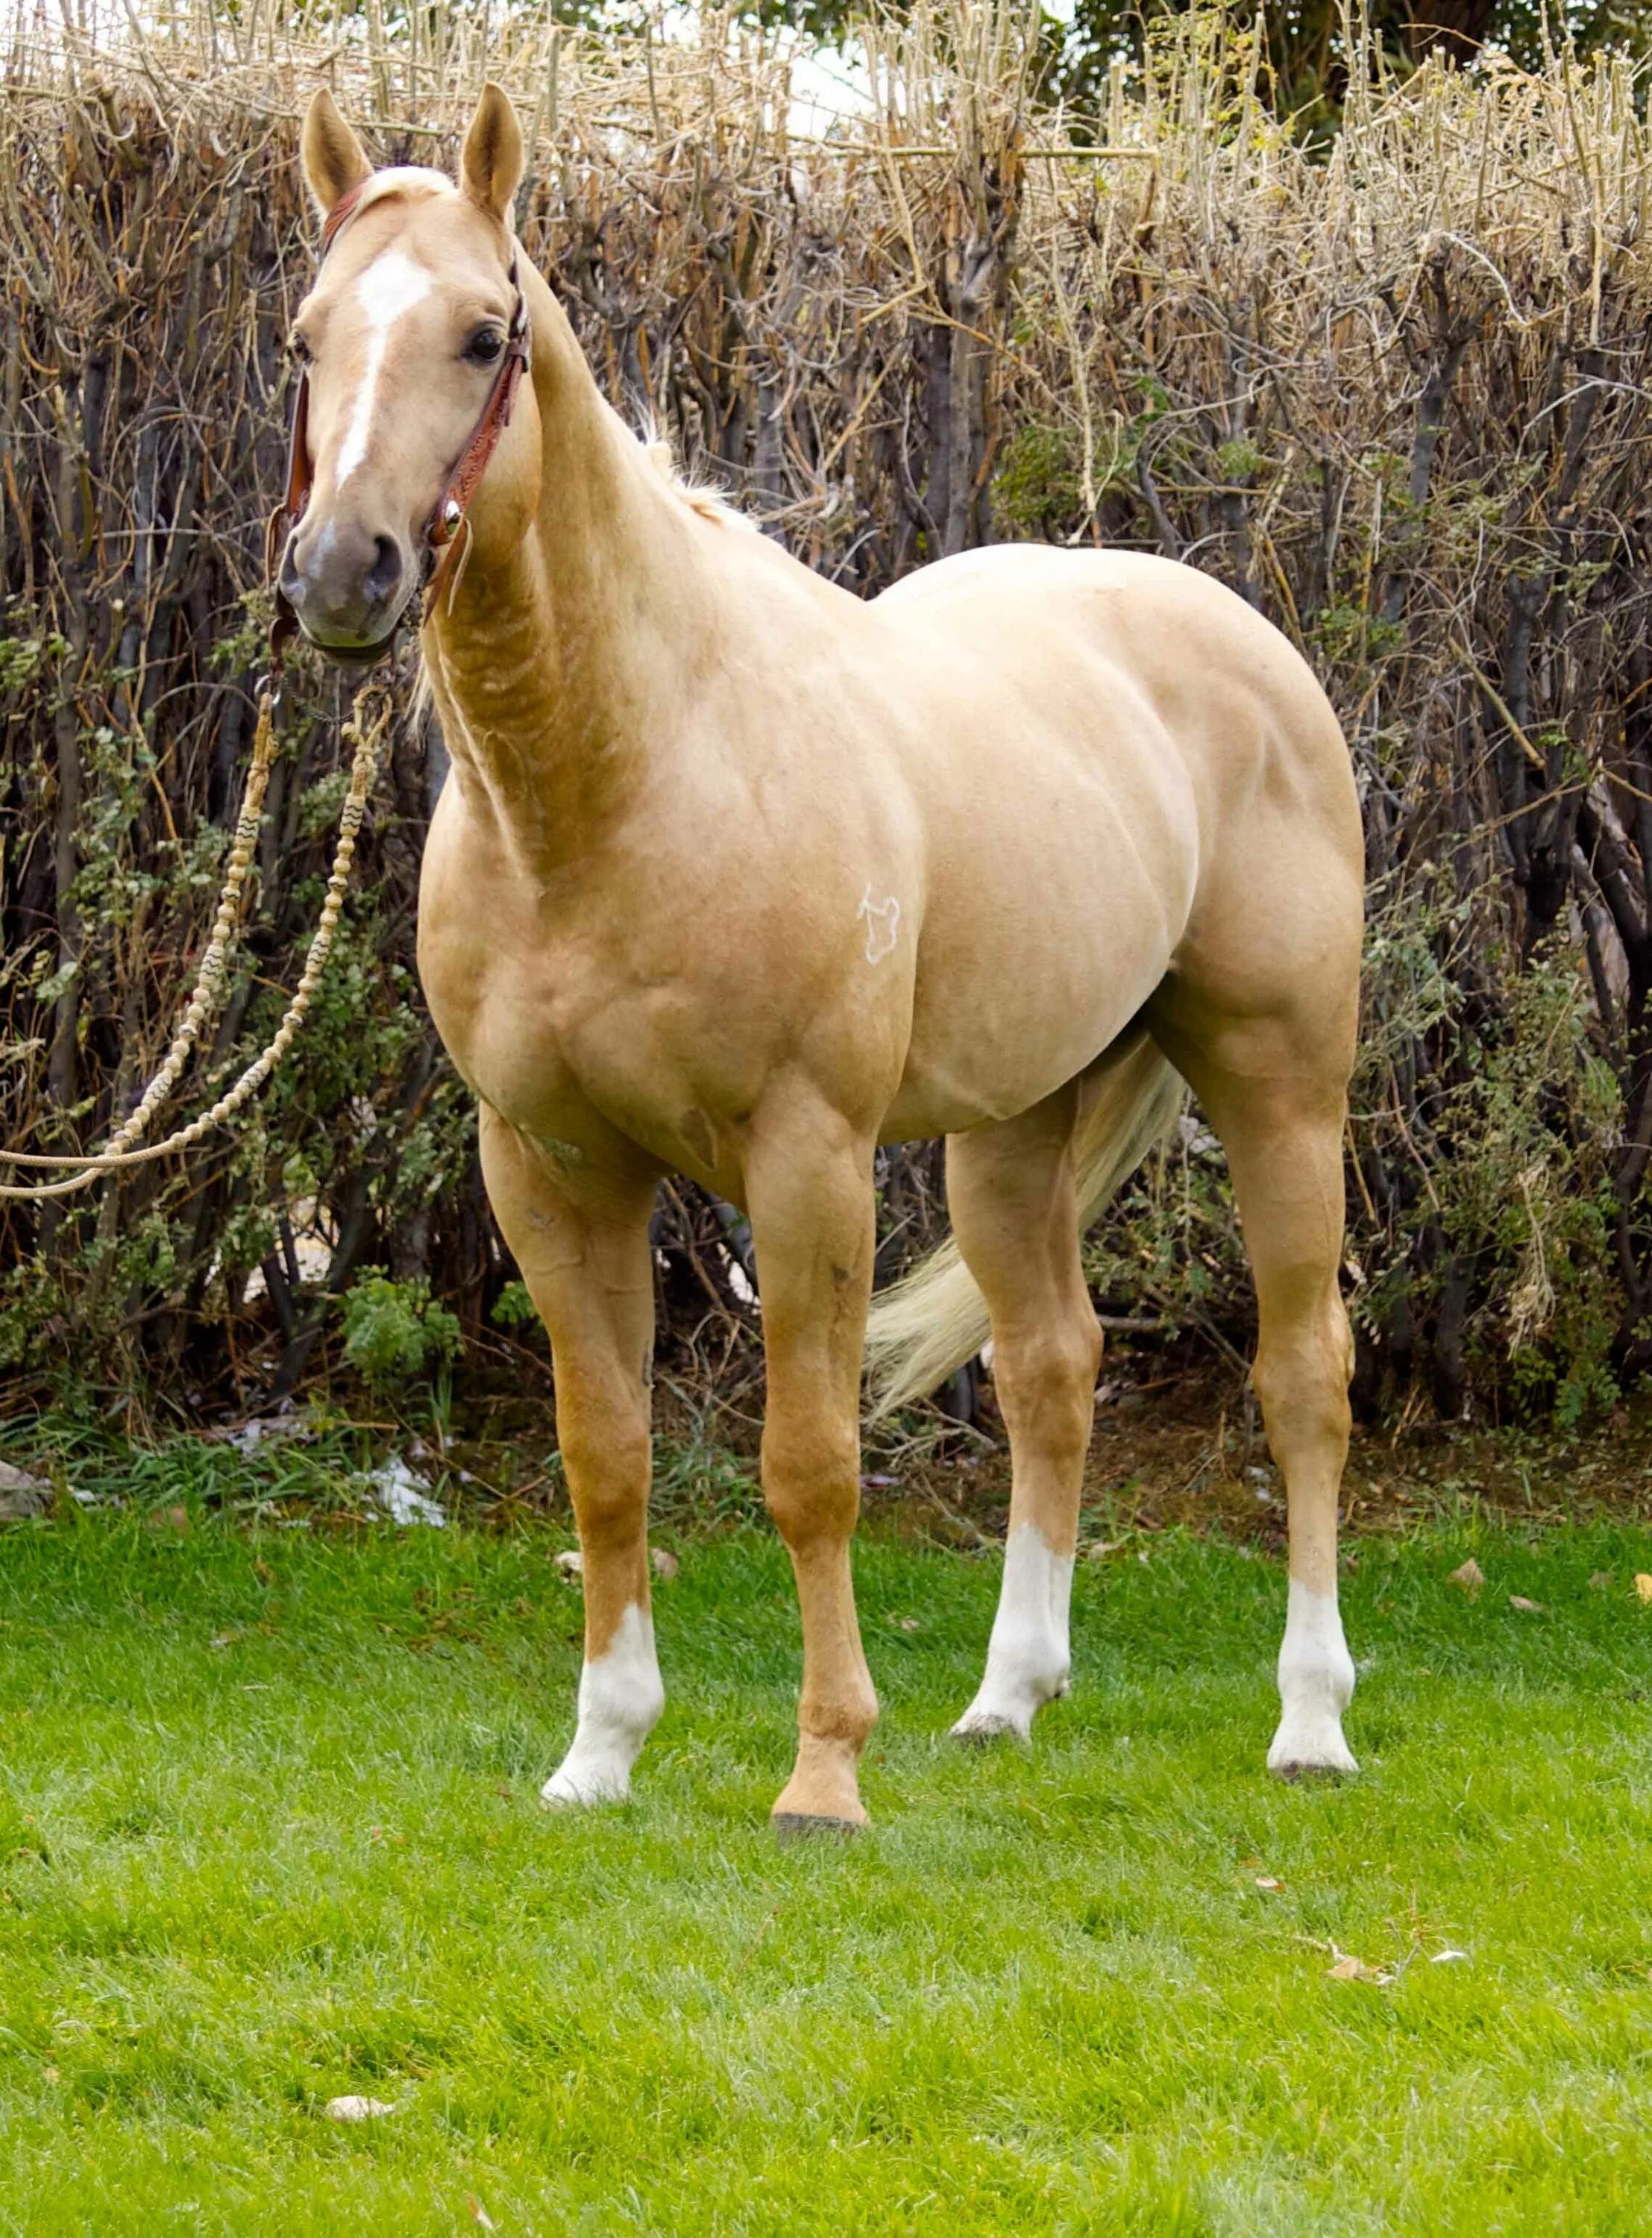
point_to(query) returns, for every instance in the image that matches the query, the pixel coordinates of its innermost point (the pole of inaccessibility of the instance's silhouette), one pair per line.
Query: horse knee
(811, 1481)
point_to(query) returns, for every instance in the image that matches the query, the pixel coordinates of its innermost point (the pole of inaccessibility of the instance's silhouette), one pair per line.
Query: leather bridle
(447, 531)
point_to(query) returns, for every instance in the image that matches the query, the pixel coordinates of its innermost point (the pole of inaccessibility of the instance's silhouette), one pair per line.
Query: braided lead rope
(213, 975)
(368, 737)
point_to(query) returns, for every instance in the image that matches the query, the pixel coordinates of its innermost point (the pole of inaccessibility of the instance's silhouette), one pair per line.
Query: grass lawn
(269, 1832)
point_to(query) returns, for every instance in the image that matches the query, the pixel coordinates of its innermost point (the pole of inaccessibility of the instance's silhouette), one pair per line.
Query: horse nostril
(384, 576)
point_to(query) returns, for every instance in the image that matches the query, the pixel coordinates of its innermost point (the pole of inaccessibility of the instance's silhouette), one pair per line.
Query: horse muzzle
(347, 586)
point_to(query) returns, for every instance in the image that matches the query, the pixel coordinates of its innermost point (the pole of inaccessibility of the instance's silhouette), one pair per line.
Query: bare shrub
(1394, 390)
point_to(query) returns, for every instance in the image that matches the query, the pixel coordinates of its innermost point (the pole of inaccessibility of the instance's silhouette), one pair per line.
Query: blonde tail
(934, 1318)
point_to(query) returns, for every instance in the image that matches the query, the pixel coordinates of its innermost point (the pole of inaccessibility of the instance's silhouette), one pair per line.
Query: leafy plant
(394, 1333)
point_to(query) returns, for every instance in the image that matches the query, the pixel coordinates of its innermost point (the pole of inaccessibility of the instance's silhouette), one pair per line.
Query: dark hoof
(1312, 1775)
(802, 1826)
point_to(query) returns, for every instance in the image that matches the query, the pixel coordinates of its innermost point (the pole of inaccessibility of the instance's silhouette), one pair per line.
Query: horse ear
(490, 170)
(335, 160)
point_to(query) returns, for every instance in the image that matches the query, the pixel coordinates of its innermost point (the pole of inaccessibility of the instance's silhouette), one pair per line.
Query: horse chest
(563, 1041)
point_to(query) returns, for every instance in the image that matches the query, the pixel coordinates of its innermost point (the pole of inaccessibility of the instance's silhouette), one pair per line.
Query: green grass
(268, 1832)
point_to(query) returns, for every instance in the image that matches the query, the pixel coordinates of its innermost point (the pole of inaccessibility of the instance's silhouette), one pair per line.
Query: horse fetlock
(1027, 1661)
(621, 1696)
(1316, 1675)
(824, 1786)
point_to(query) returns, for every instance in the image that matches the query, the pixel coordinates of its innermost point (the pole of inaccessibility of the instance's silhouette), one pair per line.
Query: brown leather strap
(339, 217)
(452, 512)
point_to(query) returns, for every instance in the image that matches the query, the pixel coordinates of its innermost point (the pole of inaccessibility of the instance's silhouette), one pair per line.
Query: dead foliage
(1395, 391)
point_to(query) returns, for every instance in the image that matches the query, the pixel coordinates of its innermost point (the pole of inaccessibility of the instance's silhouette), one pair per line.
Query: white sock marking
(1315, 1683)
(391, 286)
(620, 1699)
(1027, 1660)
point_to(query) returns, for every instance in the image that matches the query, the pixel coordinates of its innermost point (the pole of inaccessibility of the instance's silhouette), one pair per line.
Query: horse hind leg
(1011, 1194)
(1275, 1092)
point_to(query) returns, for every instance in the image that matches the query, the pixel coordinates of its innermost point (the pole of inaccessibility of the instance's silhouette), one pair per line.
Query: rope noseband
(447, 534)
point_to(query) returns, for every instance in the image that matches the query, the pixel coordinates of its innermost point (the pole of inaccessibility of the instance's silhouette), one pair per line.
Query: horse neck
(557, 664)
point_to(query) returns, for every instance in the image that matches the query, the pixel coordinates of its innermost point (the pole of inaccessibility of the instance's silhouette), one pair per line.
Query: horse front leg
(581, 1241)
(809, 1194)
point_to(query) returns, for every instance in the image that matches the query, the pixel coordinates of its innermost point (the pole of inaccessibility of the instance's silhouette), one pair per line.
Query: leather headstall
(448, 532)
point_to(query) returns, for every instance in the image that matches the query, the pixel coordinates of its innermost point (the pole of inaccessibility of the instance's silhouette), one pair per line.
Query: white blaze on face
(620, 1699)
(1316, 1684)
(1027, 1661)
(386, 291)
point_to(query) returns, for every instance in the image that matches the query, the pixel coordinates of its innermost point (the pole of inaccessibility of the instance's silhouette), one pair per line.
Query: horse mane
(399, 179)
(704, 498)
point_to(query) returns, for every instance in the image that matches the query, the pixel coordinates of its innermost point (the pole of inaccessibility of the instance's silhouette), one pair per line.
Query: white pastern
(1027, 1661)
(620, 1699)
(1316, 1684)
(389, 287)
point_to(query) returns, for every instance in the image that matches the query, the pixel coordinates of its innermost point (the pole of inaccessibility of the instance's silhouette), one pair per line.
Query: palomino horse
(739, 876)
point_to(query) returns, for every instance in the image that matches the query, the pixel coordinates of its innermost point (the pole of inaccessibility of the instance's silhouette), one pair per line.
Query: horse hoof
(803, 1825)
(981, 1733)
(583, 1791)
(1314, 1775)
(1309, 1746)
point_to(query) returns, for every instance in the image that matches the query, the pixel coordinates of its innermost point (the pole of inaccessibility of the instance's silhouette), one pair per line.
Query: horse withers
(738, 876)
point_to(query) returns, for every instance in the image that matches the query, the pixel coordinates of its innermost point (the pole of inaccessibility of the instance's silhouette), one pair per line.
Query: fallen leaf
(1102, 1548)
(480, 2214)
(572, 1563)
(908, 1624)
(1531, 1608)
(1642, 1585)
(356, 2109)
(1350, 1969)
(1599, 1580)
(1470, 1576)
(875, 1483)
(664, 1563)
(1448, 1958)
(1267, 1881)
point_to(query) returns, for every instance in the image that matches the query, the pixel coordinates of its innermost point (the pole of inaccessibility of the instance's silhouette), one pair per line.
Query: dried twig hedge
(1395, 391)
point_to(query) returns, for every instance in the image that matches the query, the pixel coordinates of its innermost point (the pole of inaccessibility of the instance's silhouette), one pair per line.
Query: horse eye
(300, 348)
(485, 346)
